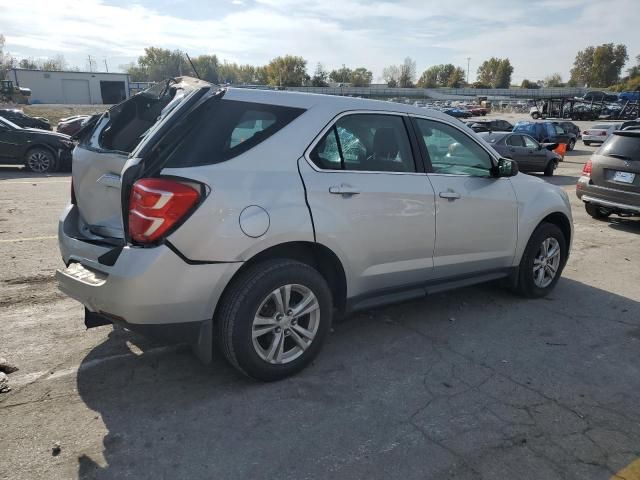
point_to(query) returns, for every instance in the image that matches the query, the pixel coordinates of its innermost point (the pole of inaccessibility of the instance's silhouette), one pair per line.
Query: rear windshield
(224, 129)
(626, 147)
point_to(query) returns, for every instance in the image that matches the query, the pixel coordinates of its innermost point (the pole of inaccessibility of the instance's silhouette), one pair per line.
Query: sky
(540, 37)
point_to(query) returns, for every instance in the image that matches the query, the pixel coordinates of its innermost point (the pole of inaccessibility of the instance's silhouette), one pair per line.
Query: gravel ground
(474, 383)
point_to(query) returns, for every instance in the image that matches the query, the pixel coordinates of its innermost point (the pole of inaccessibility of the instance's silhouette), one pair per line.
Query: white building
(80, 88)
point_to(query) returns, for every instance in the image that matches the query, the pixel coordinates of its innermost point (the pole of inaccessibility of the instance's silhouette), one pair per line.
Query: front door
(11, 142)
(369, 202)
(476, 214)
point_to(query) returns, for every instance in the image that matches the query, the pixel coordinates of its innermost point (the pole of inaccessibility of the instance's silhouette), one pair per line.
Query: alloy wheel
(39, 162)
(285, 324)
(546, 262)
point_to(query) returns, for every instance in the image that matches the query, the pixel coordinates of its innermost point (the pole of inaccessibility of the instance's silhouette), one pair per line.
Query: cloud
(539, 37)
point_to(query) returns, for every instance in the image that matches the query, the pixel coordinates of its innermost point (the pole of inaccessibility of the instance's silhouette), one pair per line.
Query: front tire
(274, 319)
(548, 171)
(596, 211)
(542, 261)
(40, 160)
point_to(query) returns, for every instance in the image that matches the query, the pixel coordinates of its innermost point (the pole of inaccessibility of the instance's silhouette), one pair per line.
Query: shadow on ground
(470, 383)
(560, 180)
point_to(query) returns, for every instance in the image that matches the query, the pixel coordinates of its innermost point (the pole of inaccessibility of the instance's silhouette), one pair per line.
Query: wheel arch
(560, 220)
(316, 255)
(43, 146)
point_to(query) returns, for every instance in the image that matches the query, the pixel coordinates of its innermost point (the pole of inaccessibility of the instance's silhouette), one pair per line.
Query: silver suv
(250, 218)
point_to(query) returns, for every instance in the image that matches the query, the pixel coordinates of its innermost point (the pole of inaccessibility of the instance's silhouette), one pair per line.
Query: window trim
(419, 169)
(427, 160)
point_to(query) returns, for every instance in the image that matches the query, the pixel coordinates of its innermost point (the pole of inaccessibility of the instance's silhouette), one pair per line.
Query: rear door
(100, 157)
(370, 202)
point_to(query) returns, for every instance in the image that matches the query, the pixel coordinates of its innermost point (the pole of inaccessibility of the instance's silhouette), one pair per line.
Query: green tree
(529, 84)
(5, 59)
(553, 80)
(599, 66)
(55, 64)
(28, 63)
(287, 71)
(361, 77)
(319, 78)
(208, 67)
(341, 75)
(442, 76)
(495, 72)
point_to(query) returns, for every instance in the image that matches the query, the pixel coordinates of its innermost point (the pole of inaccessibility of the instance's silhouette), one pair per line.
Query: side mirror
(505, 168)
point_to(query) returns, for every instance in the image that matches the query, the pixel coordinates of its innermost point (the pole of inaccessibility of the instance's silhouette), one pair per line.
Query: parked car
(569, 127)
(629, 96)
(72, 125)
(476, 110)
(458, 112)
(40, 151)
(490, 126)
(249, 216)
(610, 181)
(546, 132)
(18, 117)
(598, 96)
(530, 155)
(599, 132)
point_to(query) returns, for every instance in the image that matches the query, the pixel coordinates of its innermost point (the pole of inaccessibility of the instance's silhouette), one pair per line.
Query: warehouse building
(79, 88)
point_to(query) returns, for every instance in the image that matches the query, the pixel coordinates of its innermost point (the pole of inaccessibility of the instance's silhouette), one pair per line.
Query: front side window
(515, 141)
(365, 142)
(451, 151)
(529, 142)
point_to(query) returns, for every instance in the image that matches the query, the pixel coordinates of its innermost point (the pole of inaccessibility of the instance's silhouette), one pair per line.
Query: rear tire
(257, 326)
(548, 171)
(535, 116)
(533, 260)
(40, 160)
(571, 145)
(596, 211)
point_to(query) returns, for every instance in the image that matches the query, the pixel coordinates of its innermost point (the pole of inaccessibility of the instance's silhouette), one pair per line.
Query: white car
(599, 132)
(250, 217)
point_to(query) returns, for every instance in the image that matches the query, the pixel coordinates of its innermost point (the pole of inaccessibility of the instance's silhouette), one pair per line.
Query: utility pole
(90, 62)
(106, 67)
(468, 62)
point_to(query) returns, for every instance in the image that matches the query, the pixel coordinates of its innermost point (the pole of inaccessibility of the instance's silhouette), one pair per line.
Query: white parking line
(28, 239)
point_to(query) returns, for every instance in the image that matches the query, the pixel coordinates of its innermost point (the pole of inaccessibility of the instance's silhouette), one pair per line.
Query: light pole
(468, 62)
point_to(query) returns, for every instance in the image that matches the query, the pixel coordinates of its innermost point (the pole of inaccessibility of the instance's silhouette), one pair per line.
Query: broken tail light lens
(158, 204)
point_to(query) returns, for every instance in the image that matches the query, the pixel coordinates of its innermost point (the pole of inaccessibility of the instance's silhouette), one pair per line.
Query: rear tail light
(602, 134)
(586, 170)
(585, 132)
(156, 205)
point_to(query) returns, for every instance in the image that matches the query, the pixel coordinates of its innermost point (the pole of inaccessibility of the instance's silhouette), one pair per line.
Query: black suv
(40, 151)
(490, 126)
(547, 132)
(18, 117)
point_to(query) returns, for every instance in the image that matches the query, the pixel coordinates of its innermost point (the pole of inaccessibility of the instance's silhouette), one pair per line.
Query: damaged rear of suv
(140, 172)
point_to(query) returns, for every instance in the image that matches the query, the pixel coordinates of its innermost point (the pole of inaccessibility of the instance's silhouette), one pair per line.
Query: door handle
(343, 189)
(450, 195)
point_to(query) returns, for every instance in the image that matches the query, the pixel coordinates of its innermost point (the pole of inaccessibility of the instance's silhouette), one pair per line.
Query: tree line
(595, 66)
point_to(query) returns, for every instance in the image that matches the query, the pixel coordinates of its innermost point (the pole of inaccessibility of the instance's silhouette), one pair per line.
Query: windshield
(9, 124)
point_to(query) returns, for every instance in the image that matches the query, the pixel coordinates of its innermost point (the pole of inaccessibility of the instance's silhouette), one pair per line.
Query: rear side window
(626, 147)
(529, 128)
(224, 129)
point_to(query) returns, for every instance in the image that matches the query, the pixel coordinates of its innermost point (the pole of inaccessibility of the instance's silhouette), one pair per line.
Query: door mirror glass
(505, 168)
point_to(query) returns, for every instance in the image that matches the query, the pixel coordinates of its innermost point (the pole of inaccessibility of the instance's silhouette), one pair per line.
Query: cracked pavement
(469, 384)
